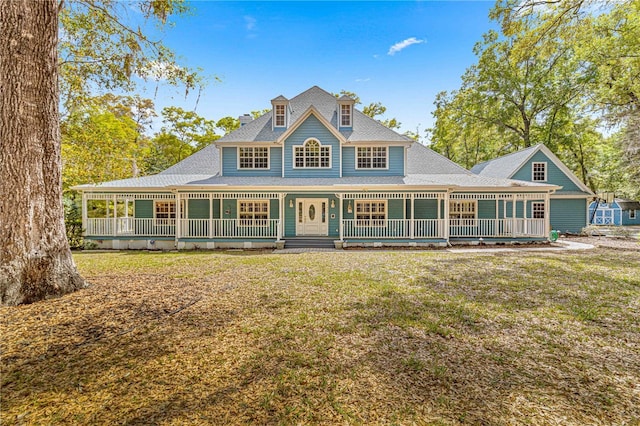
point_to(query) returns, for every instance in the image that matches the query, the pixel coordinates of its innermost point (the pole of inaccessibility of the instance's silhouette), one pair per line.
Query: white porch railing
(393, 228)
(189, 228)
(475, 228)
(352, 228)
(229, 228)
(128, 226)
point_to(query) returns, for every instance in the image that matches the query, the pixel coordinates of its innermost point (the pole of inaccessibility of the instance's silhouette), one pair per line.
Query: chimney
(244, 119)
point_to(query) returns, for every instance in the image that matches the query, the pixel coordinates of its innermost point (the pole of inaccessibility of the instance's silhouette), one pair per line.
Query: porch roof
(409, 182)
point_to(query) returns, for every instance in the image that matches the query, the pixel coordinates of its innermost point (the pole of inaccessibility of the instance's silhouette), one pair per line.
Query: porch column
(524, 216)
(446, 216)
(280, 215)
(178, 215)
(115, 215)
(84, 214)
(341, 216)
(514, 200)
(210, 215)
(547, 214)
(411, 222)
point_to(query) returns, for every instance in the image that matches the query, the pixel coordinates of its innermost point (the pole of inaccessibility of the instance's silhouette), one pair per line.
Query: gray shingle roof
(204, 162)
(423, 160)
(365, 128)
(505, 166)
(628, 204)
(437, 180)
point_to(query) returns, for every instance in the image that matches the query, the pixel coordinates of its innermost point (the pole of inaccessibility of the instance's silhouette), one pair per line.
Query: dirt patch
(612, 242)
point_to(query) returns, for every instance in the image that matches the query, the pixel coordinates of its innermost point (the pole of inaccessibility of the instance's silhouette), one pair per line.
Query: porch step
(309, 243)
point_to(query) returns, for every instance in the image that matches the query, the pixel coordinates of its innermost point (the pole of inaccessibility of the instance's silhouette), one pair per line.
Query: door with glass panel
(311, 217)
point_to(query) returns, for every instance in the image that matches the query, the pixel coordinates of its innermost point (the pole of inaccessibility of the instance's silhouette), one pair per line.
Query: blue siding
(555, 176)
(198, 209)
(396, 163)
(626, 219)
(144, 209)
(311, 128)
(230, 163)
(568, 214)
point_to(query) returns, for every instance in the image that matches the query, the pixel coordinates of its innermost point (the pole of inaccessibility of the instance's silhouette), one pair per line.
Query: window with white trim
(463, 210)
(312, 155)
(345, 115)
(280, 116)
(537, 210)
(164, 212)
(253, 157)
(371, 214)
(253, 213)
(371, 157)
(632, 214)
(539, 172)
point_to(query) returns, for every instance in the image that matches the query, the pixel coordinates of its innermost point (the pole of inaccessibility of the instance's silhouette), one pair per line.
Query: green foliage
(100, 143)
(556, 73)
(73, 222)
(101, 46)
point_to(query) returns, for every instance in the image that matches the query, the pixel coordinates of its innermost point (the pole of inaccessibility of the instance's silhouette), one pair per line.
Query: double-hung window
(280, 116)
(632, 214)
(345, 115)
(539, 172)
(253, 213)
(312, 155)
(253, 157)
(537, 210)
(374, 157)
(463, 212)
(371, 214)
(164, 212)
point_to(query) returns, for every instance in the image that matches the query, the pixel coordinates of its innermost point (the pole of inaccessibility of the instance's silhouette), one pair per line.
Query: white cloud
(403, 45)
(362, 80)
(250, 23)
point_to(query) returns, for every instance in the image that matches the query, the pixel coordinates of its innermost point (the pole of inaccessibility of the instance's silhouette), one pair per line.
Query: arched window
(312, 155)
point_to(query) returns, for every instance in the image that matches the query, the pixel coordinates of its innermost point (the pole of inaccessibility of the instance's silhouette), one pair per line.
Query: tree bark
(35, 259)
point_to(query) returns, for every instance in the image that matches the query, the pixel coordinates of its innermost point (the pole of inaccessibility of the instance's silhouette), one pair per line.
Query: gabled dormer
(345, 112)
(280, 112)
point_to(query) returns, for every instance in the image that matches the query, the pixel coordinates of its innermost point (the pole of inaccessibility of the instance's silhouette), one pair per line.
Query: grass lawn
(361, 337)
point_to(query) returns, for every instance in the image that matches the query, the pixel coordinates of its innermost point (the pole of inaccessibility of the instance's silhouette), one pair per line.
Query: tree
(605, 37)
(98, 145)
(373, 110)
(183, 133)
(98, 50)
(35, 259)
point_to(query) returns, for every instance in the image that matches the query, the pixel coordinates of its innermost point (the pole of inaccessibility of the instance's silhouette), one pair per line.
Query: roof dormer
(345, 112)
(280, 112)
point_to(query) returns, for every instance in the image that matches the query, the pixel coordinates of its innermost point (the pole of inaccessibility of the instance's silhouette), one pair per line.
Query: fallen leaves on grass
(348, 337)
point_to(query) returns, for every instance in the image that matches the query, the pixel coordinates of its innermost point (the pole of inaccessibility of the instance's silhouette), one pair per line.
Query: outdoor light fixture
(333, 204)
(291, 203)
(349, 208)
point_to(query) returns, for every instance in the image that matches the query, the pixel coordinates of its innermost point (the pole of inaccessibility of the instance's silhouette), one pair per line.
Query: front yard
(359, 337)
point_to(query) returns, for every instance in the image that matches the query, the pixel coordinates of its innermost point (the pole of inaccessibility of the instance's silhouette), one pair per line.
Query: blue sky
(398, 53)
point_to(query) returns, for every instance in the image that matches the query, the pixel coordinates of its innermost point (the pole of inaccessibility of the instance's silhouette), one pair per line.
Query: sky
(399, 53)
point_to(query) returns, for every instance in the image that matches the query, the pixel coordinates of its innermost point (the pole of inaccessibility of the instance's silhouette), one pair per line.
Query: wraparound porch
(349, 216)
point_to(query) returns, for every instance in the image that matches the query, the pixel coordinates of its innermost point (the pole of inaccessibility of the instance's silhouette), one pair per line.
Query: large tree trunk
(35, 260)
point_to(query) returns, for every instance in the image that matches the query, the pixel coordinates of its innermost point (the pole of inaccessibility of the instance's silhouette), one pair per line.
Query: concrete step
(309, 243)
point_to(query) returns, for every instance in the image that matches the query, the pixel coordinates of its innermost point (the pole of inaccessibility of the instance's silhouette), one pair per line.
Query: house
(315, 167)
(569, 204)
(619, 212)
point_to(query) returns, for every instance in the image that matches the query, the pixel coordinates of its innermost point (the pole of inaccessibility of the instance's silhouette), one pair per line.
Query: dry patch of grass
(355, 337)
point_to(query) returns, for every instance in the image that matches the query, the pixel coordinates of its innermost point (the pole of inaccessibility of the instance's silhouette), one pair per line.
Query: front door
(311, 217)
